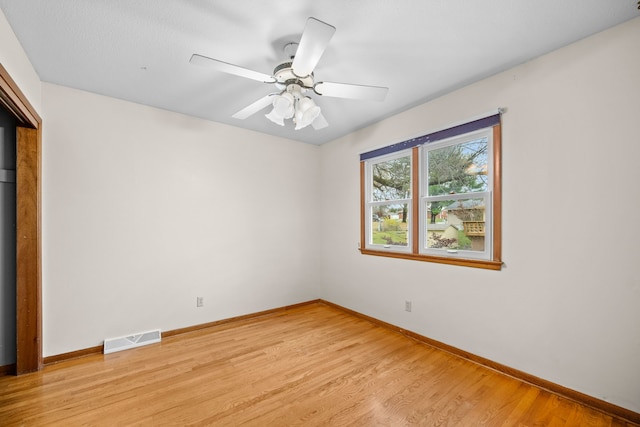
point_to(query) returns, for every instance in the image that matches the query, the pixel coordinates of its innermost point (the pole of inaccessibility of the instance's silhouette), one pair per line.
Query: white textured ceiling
(139, 50)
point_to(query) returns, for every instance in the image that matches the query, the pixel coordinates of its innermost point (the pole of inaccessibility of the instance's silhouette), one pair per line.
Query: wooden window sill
(465, 262)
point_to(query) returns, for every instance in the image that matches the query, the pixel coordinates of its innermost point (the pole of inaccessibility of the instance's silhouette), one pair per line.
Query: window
(435, 198)
(389, 190)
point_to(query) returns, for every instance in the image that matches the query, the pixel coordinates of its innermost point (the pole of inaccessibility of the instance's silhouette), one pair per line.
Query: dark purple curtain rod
(435, 136)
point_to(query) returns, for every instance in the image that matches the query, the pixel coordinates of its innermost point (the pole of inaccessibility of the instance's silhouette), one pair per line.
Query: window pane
(460, 168)
(391, 180)
(456, 224)
(389, 225)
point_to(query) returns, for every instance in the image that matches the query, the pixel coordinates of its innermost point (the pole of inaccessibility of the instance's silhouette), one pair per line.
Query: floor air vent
(124, 343)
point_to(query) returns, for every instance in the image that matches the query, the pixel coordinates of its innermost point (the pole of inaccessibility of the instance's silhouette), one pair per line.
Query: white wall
(566, 306)
(144, 210)
(17, 64)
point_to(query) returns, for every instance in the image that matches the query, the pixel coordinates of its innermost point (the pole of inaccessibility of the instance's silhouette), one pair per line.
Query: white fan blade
(345, 90)
(315, 39)
(320, 122)
(225, 67)
(254, 108)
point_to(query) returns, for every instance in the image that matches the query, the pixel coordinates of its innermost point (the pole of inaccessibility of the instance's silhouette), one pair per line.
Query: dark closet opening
(8, 125)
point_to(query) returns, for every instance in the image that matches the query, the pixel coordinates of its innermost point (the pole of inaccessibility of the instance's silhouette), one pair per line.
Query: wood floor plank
(313, 365)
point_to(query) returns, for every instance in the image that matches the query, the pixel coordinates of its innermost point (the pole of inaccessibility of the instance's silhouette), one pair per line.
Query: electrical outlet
(199, 301)
(407, 306)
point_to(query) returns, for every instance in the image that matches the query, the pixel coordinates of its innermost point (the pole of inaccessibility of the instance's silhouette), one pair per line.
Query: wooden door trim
(28, 225)
(14, 100)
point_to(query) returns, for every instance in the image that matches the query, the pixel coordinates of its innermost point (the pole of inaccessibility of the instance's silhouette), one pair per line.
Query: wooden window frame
(495, 263)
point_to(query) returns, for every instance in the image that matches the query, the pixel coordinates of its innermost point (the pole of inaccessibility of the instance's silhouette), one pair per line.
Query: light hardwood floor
(313, 365)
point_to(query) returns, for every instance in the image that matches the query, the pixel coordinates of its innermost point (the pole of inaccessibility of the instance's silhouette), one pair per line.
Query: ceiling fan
(294, 80)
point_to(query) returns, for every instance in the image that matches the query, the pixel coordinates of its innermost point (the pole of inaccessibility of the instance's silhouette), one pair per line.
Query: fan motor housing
(285, 76)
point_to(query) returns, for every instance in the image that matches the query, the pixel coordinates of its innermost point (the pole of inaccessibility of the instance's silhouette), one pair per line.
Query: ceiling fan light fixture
(306, 112)
(320, 122)
(275, 117)
(283, 105)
